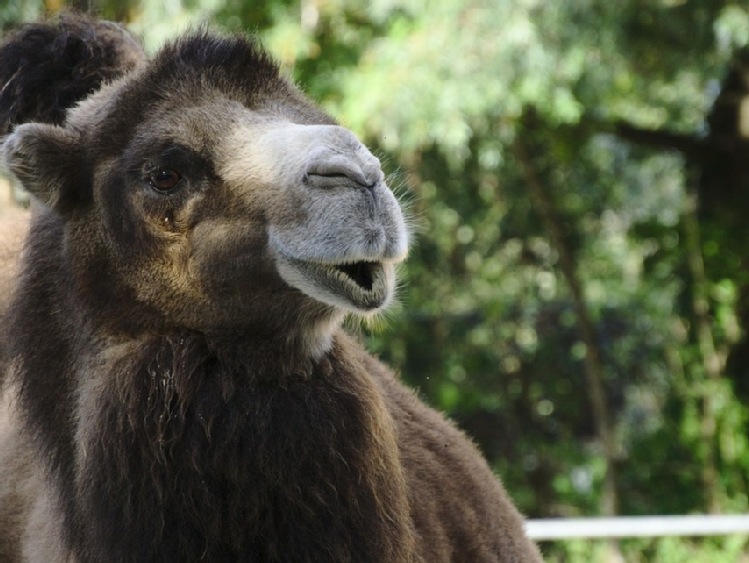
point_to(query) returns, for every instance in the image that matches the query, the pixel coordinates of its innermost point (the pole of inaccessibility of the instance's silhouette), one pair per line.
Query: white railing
(636, 526)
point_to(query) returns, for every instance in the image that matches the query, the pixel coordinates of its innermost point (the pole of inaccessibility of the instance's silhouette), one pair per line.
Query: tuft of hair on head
(231, 60)
(48, 67)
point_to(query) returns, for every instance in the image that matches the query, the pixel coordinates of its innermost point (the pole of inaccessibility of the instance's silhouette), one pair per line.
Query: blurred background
(577, 174)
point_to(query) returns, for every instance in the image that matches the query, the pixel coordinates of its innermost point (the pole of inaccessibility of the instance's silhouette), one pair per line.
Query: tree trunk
(717, 200)
(594, 372)
(712, 365)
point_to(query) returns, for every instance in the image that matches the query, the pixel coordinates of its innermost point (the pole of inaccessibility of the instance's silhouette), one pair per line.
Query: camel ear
(48, 162)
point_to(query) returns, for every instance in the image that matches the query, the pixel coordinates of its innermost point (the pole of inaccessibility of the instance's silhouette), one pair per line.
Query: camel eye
(164, 180)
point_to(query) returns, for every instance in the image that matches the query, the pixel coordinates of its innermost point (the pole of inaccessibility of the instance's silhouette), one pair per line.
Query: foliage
(730, 549)
(490, 327)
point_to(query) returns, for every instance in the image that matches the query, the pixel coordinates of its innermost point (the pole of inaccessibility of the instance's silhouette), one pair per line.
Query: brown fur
(179, 386)
(14, 224)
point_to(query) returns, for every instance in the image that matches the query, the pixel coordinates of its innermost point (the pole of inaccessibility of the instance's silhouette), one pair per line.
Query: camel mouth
(361, 273)
(358, 286)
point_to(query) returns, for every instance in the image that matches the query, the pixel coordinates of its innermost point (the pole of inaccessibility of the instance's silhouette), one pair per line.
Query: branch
(690, 145)
(544, 205)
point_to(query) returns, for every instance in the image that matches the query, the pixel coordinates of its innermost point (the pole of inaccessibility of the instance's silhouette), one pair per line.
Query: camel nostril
(332, 176)
(332, 180)
(330, 169)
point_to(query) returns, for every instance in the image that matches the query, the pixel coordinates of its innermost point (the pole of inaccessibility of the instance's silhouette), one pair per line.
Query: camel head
(202, 190)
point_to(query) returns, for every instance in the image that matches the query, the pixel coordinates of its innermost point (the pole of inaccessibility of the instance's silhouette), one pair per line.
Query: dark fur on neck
(192, 458)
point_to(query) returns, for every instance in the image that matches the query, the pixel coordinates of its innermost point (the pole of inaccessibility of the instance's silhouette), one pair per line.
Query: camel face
(212, 202)
(334, 230)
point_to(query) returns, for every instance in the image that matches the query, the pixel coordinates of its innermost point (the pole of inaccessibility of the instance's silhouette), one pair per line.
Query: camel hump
(48, 67)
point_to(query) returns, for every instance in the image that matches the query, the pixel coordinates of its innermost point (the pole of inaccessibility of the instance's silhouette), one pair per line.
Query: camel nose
(342, 160)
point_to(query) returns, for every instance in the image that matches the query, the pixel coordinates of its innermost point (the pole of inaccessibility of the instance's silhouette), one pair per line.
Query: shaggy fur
(47, 68)
(179, 388)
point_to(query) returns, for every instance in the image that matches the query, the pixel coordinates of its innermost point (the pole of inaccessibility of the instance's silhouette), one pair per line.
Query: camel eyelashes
(167, 166)
(164, 180)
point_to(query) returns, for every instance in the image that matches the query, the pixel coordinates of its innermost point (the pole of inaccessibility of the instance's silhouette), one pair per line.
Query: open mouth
(359, 286)
(361, 273)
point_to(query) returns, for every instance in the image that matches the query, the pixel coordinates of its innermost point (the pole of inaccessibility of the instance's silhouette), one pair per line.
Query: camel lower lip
(361, 273)
(358, 285)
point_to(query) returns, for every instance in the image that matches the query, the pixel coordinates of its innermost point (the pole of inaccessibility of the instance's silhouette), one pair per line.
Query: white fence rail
(636, 526)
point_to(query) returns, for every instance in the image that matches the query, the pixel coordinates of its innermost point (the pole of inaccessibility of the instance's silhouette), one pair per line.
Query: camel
(179, 387)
